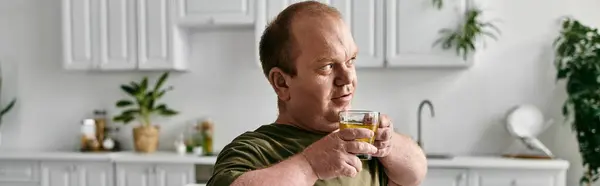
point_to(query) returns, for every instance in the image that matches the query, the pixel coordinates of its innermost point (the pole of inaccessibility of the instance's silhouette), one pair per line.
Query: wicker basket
(145, 138)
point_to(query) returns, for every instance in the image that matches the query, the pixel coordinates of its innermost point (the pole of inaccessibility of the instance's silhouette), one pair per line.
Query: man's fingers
(359, 147)
(351, 134)
(380, 153)
(384, 121)
(382, 144)
(383, 134)
(349, 170)
(353, 161)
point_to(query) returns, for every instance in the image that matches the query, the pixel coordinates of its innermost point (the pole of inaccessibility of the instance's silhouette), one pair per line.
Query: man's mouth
(345, 97)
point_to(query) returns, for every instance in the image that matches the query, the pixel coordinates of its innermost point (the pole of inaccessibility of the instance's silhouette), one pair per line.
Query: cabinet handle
(71, 168)
(461, 177)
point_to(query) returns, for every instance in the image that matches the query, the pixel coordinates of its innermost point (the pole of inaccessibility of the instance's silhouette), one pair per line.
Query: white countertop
(126, 156)
(172, 157)
(497, 162)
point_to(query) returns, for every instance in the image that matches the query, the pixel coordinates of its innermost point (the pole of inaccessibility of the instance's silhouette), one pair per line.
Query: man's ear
(280, 82)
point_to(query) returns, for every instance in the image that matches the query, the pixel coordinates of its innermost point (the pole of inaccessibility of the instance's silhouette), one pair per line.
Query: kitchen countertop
(497, 162)
(172, 157)
(125, 156)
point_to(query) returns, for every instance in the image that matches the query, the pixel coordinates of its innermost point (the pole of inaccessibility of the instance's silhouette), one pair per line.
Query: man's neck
(287, 119)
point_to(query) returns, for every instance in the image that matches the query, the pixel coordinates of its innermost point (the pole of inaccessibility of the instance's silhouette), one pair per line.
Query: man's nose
(343, 76)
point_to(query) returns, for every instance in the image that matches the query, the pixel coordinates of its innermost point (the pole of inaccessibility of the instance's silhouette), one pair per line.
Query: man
(307, 54)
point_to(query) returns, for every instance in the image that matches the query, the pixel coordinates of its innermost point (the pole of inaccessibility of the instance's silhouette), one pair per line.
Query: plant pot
(145, 138)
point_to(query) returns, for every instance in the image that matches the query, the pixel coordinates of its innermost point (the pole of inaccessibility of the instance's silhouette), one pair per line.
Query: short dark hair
(276, 43)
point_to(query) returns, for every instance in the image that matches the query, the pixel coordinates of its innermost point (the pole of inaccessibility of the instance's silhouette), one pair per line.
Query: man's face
(326, 77)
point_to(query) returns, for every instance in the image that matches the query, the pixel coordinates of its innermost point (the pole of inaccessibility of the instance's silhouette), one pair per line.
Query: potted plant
(578, 63)
(143, 104)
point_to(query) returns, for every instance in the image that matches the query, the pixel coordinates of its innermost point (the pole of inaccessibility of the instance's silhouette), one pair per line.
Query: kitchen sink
(439, 156)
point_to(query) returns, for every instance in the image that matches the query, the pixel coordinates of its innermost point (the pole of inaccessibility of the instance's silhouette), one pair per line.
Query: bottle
(196, 139)
(207, 137)
(180, 146)
(88, 135)
(100, 119)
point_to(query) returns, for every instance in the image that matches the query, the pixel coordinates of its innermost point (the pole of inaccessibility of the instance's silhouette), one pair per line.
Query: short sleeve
(234, 160)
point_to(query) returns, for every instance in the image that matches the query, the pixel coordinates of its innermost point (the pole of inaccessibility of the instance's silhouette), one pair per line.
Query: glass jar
(207, 127)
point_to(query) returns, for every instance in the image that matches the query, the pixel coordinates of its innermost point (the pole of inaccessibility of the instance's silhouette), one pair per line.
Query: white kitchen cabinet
(161, 44)
(117, 35)
(60, 173)
(81, 39)
(19, 173)
(99, 34)
(364, 18)
(412, 27)
(139, 174)
(134, 175)
(174, 174)
(200, 12)
(122, 35)
(446, 177)
(510, 177)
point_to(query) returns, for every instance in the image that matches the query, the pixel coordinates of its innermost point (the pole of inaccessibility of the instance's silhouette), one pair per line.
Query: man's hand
(334, 155)
(383, 137)
(404, 161)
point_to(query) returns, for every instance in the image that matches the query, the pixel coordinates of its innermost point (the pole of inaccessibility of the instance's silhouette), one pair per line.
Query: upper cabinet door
(199, 12)
(160, 43)
(81, 46)
(118, 34)
(412, 28)
(364, 18)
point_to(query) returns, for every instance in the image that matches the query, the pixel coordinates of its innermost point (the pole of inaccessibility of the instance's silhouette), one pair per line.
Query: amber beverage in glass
(360, 119)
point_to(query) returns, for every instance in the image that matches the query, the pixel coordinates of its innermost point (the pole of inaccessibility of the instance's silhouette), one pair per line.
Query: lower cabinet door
(174, 174)
(446, 177)
(75, 173)
(94, 174)
(58, 174)
(133, 174)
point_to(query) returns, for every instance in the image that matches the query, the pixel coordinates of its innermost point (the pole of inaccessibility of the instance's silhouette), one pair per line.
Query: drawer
(19, 171)
(517, 178)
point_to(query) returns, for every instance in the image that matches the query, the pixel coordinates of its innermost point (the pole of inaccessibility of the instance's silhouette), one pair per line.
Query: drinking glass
(360, 119)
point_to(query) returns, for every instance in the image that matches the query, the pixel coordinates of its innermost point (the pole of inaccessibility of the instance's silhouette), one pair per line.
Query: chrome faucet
(432, 110)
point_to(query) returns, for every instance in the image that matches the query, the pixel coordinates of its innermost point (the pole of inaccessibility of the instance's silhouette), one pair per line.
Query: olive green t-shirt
(270, 144)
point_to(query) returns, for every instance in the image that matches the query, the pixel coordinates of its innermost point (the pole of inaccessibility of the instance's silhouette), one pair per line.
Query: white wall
(225, 85)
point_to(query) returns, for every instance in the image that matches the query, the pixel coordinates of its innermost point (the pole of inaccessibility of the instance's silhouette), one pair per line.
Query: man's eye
(327, 67)
(351, 61)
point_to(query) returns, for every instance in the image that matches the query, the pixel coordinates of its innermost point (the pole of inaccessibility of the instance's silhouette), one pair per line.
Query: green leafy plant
(467, 33)
(577, 61)
(144, 102)
(438, 3)
(8, 107)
